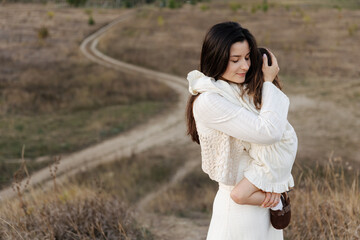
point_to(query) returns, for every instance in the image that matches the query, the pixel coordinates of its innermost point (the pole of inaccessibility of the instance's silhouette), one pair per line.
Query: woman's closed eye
(246, 59)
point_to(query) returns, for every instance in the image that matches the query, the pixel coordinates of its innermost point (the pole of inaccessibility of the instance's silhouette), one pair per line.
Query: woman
(224, 130)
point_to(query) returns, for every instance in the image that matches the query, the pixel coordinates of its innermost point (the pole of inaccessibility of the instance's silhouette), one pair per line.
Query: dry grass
(325, 206)
(311, 41)
(55, 101)
(68, 211)
(87, 99)
(73, 86)
(325, 201)
(317, 56)
(181, 200)
(72, 213)
(132, 178)
(94, 204)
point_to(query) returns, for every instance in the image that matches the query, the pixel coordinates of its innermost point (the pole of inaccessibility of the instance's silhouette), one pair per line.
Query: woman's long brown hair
(214, 59)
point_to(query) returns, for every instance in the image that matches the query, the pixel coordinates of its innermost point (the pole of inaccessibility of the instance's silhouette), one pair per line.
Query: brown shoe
(280, 219)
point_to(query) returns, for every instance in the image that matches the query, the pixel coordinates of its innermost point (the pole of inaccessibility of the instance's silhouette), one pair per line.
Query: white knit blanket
(270, 169)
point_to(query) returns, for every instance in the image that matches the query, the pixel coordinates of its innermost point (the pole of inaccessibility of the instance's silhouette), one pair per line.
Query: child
(272, 162)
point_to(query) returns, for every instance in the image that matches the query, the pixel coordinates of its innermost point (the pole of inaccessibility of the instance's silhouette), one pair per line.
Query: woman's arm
(215, 111)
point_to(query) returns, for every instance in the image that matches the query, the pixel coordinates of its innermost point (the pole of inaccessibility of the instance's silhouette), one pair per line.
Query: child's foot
(279, 206)
(280, 219)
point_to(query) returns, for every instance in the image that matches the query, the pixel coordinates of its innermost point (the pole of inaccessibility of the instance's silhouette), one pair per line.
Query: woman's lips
(241, 74)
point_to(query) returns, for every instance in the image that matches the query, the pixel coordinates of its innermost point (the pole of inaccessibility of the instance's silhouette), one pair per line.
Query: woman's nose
(244, 66)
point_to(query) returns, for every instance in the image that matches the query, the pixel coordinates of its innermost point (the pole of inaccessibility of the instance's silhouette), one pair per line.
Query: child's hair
(276, 81)
(214, 59)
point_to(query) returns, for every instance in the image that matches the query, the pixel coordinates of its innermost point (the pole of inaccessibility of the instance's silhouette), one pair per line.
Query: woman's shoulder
(211, 107)
(208, 101)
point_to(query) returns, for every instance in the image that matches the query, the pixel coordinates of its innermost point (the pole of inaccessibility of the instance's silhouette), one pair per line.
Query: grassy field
(52, 100)
(315, 43)
(316, 46)
(134, 177)
(325, 201)
(101, 200)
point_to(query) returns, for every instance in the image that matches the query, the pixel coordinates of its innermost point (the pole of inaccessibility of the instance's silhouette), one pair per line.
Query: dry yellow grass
(317, 56)
(326, 204)
(53, 100)
(325, 201)
(73, 212)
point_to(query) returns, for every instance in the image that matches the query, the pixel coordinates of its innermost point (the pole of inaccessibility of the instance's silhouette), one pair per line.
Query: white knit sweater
(228, 125)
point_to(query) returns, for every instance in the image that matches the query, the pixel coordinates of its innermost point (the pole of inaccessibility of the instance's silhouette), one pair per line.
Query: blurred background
(55, 101)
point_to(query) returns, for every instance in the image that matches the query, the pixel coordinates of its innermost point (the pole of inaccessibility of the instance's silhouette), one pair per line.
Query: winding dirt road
(157, 131)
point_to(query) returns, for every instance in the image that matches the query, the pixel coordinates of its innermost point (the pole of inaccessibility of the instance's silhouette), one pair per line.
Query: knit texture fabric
(228, 125)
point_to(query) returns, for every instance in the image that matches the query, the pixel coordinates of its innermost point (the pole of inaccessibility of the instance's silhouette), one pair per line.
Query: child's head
(263, 51)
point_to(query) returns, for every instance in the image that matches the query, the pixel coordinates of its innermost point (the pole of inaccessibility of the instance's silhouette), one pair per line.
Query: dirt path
(172, 227)
(157, 131)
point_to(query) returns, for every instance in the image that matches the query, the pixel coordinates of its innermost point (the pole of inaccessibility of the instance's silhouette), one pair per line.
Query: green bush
(76, 3)
(172, 4)
(133, 3)
(91, 20)
(265, 7)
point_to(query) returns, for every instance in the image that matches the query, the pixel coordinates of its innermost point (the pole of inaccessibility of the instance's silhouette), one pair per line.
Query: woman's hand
(271, 199)
(270, 72)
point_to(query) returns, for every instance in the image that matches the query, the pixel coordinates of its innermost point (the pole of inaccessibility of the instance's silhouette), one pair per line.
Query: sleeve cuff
(262, 181)
(274, 100)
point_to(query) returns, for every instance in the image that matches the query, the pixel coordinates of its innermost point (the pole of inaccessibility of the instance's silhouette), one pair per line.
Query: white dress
(213, 115)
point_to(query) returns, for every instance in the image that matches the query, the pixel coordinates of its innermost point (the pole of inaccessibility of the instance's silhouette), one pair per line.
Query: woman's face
(239, 63)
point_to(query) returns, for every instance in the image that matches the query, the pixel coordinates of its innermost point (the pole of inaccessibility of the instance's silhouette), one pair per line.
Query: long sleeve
(215, 111)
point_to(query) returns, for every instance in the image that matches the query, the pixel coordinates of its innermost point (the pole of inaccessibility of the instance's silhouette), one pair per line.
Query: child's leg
(246, 193)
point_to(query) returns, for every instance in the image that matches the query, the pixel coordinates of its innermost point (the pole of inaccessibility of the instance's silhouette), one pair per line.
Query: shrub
(254, 8)
(172, 4)
(88, 11)
(91, 20)
(50, 14)
(234, 6)
(76, 3)
(307, 19)
(160, 21)
(72, 214)
(43, 33)
(265, 6)
(204, 7)
(352, 29)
